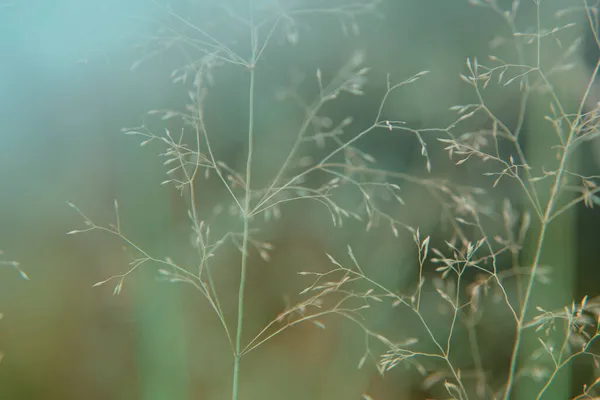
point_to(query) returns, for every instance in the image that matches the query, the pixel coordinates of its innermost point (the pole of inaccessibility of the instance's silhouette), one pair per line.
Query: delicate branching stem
(350, 168)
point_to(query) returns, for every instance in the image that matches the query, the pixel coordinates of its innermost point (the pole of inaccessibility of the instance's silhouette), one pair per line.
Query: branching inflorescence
(482, 253)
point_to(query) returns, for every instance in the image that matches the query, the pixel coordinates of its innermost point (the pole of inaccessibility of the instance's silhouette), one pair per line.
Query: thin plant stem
(246, 212)
(536, 263)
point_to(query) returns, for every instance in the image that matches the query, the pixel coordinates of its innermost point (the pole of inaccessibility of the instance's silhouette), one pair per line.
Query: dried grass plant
(487, 262)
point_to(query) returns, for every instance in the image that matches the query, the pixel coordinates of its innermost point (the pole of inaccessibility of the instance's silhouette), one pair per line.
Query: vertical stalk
(559, 243)
(555, 244)
(246, 212)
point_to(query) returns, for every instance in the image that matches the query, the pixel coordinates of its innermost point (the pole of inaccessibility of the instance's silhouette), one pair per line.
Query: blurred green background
(66, 90)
